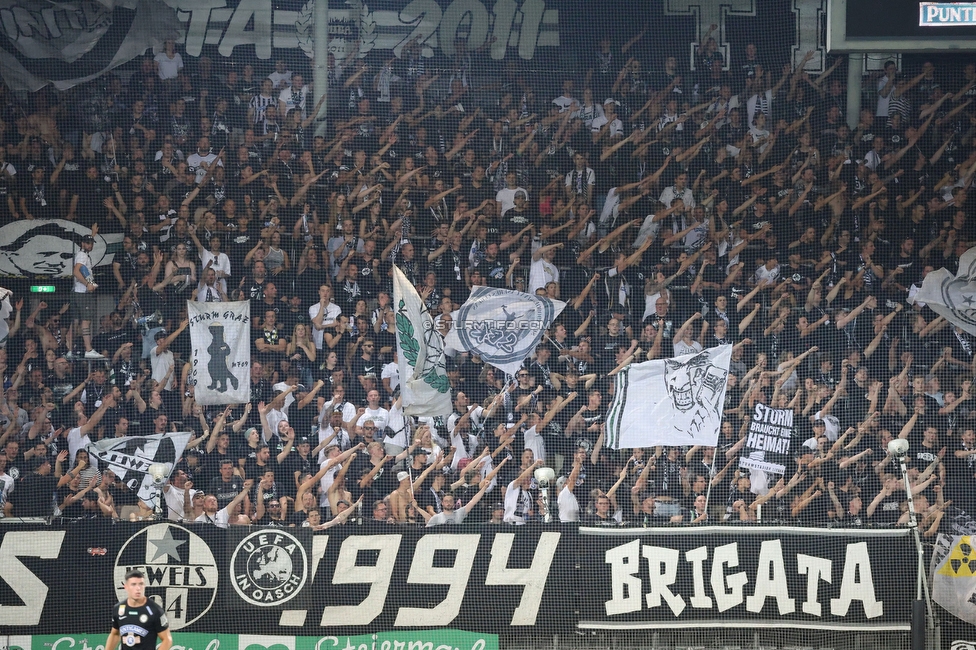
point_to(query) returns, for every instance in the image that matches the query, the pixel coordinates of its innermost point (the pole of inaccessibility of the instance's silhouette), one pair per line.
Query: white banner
(130, 458)
(71, 42)
(953, 296)
(672, 402)
(502, 326)
(954, 576)
(221, 336)
(424, 385)
(47, 247)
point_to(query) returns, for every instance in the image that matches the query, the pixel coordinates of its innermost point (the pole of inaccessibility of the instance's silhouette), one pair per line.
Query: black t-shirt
(225, 491)
(139, 626)
(34, 496)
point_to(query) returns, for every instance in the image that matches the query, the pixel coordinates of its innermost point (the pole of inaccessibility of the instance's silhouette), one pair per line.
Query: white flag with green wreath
(424, 386)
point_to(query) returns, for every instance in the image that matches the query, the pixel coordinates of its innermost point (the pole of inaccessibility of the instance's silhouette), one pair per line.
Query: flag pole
(711, 474)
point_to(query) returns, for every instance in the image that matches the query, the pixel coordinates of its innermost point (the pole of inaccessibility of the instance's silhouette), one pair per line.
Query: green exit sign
(42, 288)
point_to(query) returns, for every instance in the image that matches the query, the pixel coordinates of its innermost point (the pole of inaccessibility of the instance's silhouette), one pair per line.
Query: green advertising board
(406, 640)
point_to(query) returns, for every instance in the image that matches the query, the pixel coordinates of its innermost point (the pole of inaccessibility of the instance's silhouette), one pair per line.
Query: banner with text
(354, 580)
(767, 447)
(561, 32)
(746, 577)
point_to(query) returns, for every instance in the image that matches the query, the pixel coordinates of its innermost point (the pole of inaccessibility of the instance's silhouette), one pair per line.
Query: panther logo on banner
(270, 568)
(502, 326)
(181, 572)
(221, 356)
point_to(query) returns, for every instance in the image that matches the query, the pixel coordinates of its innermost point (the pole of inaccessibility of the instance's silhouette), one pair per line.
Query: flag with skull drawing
(671, 402)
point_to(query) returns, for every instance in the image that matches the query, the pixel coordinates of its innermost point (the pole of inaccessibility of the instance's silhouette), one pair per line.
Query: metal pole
(922, 600)
(855, 72)
(708, 490)
(320, 67)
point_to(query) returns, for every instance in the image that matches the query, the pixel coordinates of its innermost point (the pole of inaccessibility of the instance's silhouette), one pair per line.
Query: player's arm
(114, 637)
(164, 636)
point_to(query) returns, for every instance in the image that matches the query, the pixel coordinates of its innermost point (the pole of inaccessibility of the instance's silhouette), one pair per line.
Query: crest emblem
(270, 568)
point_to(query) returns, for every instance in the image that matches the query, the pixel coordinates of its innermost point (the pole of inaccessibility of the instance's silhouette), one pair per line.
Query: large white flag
(953, 572)
(672, 402)
(70, 42)
(953, 296)
(221, 336)
(502, 326)
(131, 457)
(424, 385)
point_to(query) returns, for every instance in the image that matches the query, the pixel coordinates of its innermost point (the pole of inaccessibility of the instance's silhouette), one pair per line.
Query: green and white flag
(424, 386)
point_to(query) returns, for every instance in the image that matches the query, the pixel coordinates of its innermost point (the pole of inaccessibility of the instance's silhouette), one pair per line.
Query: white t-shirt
(541, 273)
(671, 193)
(534, 441)
(293, 99)
(81, 257)
(348, 413)
(380, 417)
(568, 506)
(442, 518)
(391, 371)
(169, 68)
(769, 275)
(884, 101)
(161, 363)
(195, 162)
(280, 78)
(681, 348)
(176, 503)
(332, 312)
(341, 439)
(6, 487)
(77, 441)
(221, 519)
(220, 263)
(506, 197)
(398, 425)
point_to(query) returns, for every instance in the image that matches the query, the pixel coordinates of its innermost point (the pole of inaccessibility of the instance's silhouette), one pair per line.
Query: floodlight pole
(919, 606)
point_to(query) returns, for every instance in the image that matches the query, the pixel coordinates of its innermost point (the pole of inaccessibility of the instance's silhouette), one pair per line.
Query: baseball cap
(402, 475)
(420, 451)
(87, 239)
(498, 506)
(303, 440)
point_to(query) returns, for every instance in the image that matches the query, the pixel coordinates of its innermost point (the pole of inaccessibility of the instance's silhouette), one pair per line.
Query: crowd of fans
(673, 211)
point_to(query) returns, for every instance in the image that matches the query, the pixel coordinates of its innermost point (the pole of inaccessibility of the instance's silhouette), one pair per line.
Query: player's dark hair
(134, 573)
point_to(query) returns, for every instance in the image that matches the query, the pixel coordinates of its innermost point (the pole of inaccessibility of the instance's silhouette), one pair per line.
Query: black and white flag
(68, 43)
(672, 402)
(220, 333)
(131, 457)
(501, 326)
(952, 296)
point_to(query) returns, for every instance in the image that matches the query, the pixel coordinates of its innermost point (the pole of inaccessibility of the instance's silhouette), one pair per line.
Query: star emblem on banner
(166, 546)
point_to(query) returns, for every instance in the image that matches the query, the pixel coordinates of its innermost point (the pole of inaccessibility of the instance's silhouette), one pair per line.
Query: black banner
(349, 580)
(748, 577)
(767, 447)
(364, 579)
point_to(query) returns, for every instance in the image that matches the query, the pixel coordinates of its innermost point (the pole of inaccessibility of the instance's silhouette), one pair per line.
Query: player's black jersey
(139, 626)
